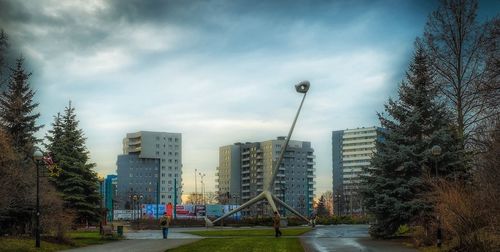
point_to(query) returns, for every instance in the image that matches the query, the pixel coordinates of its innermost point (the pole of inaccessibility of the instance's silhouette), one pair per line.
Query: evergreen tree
(3, 51)
(77, 181)
(321, 207)
(394, 185)
(17, 115)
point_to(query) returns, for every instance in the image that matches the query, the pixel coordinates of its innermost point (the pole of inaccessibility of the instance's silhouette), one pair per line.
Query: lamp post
(436, 152)
(195, 188)
(37, 156)
(202, 175)
(283, 190)
(267, 194)
(101, 192)
(175, 198)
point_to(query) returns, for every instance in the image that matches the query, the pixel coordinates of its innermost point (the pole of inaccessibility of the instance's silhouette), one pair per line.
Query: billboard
(215, 211)
(149, 210)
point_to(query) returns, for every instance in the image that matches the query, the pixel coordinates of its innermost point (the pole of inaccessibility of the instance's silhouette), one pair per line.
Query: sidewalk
(144, 240)
(136, 245)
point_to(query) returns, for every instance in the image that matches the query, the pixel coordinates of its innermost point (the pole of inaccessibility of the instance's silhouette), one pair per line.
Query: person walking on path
(313, 219)
(276, 224)
(165, 223)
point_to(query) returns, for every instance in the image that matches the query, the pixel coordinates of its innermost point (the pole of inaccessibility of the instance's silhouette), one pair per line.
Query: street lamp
(266, 194)
(195, 188)
(101, 192)
(37, 157)
(202, 175)
(436, 152)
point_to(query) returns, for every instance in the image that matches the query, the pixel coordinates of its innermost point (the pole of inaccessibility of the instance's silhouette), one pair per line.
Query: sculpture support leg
(259, 197)
(290, 208)
(269, 198)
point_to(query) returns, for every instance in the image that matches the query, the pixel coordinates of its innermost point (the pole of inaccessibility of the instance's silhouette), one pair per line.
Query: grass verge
(243, 244)
(250, 232)
(28, 245)
(243, 240)
(76, 239)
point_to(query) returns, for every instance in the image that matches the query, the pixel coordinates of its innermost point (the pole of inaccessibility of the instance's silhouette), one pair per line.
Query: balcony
(134, 149)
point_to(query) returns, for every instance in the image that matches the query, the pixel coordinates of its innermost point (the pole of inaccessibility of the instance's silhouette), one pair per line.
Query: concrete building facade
(252, 170)
(150, 168)
(110, 184)
(352, 151)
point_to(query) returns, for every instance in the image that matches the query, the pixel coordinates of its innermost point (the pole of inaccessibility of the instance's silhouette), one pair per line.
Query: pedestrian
(165, 223)
(276, 224)
(313, 219)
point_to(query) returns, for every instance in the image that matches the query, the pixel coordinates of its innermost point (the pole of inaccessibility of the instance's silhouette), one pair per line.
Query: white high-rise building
(352, 151)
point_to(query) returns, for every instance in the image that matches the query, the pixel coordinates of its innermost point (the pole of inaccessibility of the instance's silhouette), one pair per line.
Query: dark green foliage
(17, 115)
(77, 181)
(3, 51)
(321, 207)
(415, 123)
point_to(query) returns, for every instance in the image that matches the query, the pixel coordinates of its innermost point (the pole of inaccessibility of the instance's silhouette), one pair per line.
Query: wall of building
(165, 149)
(352, 150)
(295, 177)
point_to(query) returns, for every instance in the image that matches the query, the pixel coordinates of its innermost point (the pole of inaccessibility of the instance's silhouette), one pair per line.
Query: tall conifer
(415, 122)
(77, 180)
(17, 115)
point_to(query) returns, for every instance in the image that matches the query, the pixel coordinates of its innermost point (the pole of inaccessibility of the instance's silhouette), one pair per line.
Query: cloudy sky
(218, 72)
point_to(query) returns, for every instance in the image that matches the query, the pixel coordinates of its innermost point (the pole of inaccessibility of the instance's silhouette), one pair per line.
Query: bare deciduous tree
(458, 47)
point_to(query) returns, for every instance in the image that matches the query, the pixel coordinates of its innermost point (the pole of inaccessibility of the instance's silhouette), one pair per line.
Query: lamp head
(38, 155)
(302, 87)
(436, 150)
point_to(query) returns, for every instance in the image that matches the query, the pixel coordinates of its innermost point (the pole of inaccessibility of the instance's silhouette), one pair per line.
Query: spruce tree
(3, 51)
(77, 181)
(395, 184)
(321, 207)
(17, 107)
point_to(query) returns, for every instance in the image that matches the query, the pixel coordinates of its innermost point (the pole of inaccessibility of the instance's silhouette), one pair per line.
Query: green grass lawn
(85, 238)
(28, 245)
(250, 232)
(243, 244)
(245, 240)
(77, 239)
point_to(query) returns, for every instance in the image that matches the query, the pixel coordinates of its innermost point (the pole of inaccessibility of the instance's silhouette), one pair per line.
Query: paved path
(145, 240)
(347, 238)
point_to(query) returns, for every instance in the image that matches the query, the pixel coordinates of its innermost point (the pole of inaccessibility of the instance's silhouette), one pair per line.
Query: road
(348, 238)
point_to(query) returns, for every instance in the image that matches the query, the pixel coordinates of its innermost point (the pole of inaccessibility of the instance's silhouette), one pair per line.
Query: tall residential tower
(352, 151)
(150, 168)
(245, 168)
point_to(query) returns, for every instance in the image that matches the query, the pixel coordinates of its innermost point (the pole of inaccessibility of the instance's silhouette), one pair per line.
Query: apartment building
(150, 168)
(352, 150)
(247, 167)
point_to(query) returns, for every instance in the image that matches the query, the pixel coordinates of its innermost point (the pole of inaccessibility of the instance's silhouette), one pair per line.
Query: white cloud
(203, 81)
